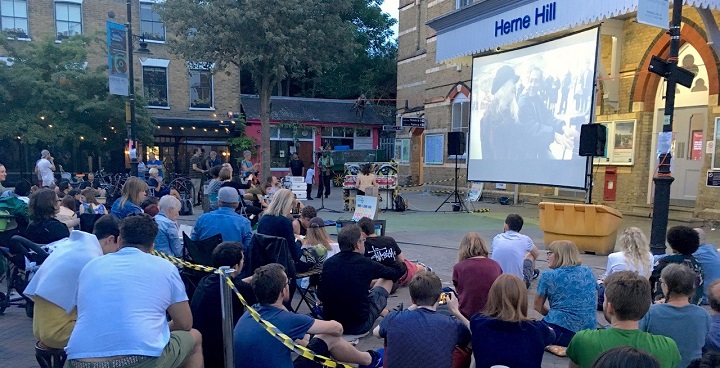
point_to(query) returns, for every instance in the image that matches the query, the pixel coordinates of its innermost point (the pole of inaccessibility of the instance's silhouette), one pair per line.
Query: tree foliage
(272, 39)
(48, 95)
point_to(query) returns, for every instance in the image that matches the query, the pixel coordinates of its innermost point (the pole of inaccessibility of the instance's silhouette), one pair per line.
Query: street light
(131, 94)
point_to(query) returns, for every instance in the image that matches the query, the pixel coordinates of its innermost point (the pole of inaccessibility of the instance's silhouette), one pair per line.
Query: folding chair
(17, 276)
(308, 295)
(200, 252)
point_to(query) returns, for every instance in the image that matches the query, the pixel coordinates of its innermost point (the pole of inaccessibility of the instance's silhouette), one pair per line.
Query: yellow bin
(593, 228)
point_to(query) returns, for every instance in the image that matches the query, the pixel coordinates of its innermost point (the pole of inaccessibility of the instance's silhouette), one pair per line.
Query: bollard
(226, 295)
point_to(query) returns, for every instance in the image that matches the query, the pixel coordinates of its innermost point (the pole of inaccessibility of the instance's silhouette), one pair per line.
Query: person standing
(325, 165)
(213, 160)
(45, 168)
(365, 179)
(246, 165)
(153, 162)
(196, 172)
(309, 180)
(297, 167)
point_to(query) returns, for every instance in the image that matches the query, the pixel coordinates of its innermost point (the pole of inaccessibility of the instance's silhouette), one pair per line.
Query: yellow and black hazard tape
(430, 182)
(481, 210)
(272, 330)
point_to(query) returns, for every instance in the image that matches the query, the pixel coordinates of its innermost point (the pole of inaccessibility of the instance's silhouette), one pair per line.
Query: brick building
(438, 39)
(187, 100)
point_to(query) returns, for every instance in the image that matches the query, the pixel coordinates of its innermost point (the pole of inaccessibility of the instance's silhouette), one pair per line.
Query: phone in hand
(444, 298)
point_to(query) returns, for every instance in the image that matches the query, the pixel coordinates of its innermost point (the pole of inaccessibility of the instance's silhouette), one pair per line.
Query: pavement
(424, 235)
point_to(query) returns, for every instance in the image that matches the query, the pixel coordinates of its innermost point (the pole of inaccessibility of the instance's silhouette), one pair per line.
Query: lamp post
(131, 94)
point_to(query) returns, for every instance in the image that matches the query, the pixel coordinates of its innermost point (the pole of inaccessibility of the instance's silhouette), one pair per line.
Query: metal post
(131, 93)
(663, 179)
(226, 295)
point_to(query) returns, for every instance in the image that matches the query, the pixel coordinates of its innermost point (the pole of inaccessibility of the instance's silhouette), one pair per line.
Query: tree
(48, 95)
(272, 39)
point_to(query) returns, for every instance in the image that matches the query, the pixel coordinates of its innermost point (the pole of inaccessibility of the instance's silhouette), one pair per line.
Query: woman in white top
(365, 179)
(634, 254)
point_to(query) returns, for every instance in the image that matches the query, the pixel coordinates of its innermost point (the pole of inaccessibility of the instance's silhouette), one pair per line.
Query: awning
(486, 25)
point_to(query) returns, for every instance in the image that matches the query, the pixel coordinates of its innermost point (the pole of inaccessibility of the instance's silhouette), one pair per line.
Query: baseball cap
(228, 195)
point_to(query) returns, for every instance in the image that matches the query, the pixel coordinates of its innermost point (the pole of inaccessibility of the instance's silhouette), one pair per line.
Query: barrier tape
(272, 330)
(430, 182)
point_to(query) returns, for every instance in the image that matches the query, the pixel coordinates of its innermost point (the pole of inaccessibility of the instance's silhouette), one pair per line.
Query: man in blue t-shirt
(709, 259)
(419, 336)
(257, 348)
(153, 162)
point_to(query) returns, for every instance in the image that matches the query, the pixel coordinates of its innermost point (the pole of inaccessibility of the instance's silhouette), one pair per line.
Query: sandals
(557, 350)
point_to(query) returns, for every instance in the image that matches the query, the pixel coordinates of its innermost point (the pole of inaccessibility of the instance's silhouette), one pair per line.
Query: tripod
(457, 199)
(322, 202)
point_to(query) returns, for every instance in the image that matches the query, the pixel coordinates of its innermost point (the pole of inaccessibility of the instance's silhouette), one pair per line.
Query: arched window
(461, 115)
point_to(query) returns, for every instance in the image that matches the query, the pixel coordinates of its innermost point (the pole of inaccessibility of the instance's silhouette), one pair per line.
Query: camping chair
(308, 295)
(199, 252)
(87, 221)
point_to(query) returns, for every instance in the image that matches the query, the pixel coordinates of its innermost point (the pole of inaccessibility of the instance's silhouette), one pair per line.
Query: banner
(117, 58)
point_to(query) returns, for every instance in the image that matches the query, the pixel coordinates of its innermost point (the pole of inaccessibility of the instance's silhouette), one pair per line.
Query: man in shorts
(255, 347)
(516, 253)
(384, 249)
(345, 280)
(122, 302)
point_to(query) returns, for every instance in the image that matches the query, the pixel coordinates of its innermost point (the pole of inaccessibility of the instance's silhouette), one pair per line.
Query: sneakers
(536, 273)
(377, 359)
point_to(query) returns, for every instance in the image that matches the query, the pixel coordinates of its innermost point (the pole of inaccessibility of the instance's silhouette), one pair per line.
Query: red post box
(610, 187)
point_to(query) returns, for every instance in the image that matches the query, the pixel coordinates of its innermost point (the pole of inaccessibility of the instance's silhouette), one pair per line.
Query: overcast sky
(391, 7)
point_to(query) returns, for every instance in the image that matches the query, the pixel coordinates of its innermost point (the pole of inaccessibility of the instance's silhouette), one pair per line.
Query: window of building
(151, 26)
(201, 89)
(155, 86)
(13, 17)
(68, 19)
(461, 116)
(462, 3)
(402, 150)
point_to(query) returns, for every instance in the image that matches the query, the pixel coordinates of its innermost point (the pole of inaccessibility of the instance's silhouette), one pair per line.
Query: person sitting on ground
(626, 356)
(224, 221)
(67, 213)
(149, 289)
(709, 360)
(627, 299)
(150, 206)
(684, 241)
(168, 240)
(365, 179)
(53, 288)
(634, 254)
(256, 348)
(474, 274)
(62, 188)
(317, 236)
(21, 191)
(272, 184)
(384, 249)
(206, 305)
(44, 228)
(502, 333)
(300, 225)
(677, 319)
(571, 292)
(420, 336)
(75, 193)
(274, 221)
(91, 204)
(516, 253)
(709, 259)
(344, 283)
(712, 341)
(134, 191)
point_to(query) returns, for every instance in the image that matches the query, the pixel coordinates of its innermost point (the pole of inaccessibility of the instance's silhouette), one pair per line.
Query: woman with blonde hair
(502, 334)
(474, 274)
(634, 254)
(134, 191)
(274, 221)
(571, 290)
(90, 203)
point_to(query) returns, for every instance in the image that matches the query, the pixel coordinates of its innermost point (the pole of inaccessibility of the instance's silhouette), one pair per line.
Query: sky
(391, 7)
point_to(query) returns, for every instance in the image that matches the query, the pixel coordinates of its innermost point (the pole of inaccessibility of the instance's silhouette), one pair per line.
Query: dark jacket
(266, 249)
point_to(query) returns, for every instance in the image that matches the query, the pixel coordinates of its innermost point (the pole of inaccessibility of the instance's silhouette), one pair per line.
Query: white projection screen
(526, 110)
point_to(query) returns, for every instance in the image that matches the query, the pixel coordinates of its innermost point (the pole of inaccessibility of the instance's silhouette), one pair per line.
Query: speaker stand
(588, 179)
(457, 198)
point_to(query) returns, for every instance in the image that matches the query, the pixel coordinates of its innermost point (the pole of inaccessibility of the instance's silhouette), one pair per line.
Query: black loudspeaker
(456, 143)
(592, 140)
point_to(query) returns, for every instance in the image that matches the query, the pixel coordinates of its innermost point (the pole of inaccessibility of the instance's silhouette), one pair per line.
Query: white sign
(475, 191)
(365, 206)
(709, 147)
(654, 13)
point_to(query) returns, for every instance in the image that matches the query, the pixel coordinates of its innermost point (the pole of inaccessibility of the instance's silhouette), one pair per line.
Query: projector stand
(457, 198)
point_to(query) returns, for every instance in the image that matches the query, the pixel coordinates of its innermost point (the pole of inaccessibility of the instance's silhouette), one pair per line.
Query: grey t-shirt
(509, 250)
(687, 325)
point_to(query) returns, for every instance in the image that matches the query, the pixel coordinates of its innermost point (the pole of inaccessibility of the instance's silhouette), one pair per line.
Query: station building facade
(437, 41)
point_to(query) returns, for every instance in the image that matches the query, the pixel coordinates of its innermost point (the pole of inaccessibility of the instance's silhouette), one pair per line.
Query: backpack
(400, 205)
(186, 208)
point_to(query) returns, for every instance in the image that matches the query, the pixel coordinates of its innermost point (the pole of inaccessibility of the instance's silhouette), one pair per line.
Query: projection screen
(526, 110)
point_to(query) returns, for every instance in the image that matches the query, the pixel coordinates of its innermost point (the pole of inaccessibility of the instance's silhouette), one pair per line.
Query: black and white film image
(527, 108)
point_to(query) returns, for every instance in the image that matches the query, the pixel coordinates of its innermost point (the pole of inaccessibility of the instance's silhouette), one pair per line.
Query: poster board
(365, 206)
(475, 191)
(620, 145)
